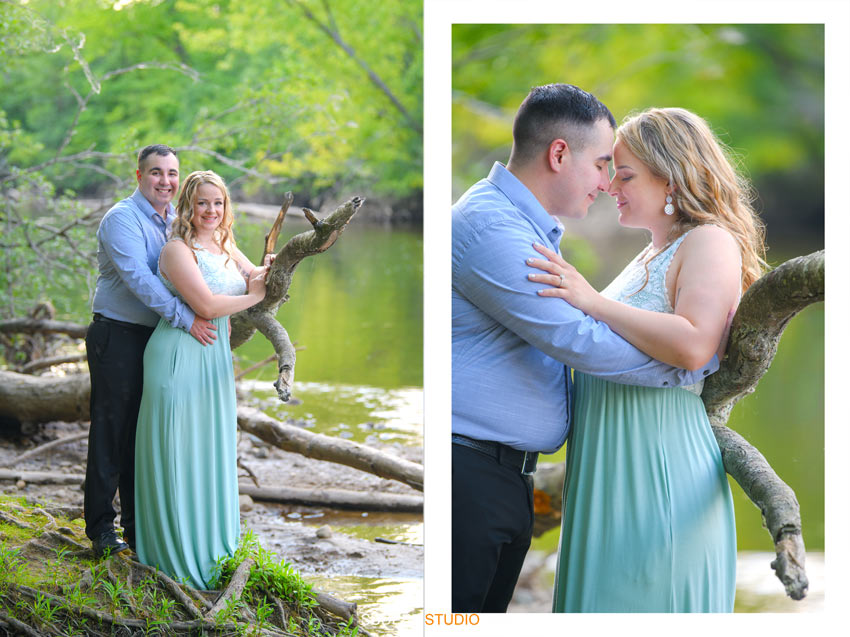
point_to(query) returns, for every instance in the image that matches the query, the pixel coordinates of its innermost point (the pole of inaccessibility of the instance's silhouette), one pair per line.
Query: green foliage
(67, 586)
(760, 86)
(257, 91)
(257, 82)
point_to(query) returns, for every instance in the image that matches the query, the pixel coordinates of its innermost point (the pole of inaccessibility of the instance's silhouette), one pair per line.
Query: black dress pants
(492, 520)
(115, 354)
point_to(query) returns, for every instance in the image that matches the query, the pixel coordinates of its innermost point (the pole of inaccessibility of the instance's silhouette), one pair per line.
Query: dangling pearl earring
(668, 208)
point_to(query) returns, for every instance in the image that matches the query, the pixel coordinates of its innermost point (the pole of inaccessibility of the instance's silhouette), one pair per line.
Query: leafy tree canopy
(314, 95)
(760, 86)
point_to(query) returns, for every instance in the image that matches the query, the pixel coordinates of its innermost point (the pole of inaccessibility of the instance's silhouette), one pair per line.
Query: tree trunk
(764, 312)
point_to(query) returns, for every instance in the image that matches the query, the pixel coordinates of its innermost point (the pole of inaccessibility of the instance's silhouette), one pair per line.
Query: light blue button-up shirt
(510, 346)
(129, 240)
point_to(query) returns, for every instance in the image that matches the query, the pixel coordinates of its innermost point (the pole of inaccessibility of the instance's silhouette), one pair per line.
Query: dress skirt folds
(648, 521)
(187, 500)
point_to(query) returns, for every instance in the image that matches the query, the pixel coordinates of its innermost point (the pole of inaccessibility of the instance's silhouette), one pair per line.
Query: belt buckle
(525, 461)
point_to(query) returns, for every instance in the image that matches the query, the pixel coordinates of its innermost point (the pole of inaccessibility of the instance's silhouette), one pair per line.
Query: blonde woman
(648, 522)
(187, 501)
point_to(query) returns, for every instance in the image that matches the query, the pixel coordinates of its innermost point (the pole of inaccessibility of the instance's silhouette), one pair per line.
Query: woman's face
(208, 210)
(640, 194)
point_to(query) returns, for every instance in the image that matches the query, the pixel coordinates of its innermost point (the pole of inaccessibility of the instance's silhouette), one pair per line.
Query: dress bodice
(626, 287)
(221, 276)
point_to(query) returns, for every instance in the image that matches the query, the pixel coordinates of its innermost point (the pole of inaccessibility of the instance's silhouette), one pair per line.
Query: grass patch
(52, 582)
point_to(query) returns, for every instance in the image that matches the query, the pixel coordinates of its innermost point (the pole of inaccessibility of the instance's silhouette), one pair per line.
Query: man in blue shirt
(512, 349)
(129, 299)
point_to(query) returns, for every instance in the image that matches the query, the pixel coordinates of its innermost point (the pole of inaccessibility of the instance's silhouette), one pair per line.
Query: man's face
(584, 173)
(159, 179)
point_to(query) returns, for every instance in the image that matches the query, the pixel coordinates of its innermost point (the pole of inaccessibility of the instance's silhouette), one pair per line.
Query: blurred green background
(760, 87)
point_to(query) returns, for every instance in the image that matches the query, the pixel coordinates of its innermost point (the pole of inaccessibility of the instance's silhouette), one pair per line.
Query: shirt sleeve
(124, 244)
(493, 275)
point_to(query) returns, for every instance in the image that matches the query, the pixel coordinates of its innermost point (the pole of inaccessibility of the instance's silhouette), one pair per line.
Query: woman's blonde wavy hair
(678, 146)
(182, 227)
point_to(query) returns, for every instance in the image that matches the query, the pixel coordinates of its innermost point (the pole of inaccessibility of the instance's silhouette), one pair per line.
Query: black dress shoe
(108, 544)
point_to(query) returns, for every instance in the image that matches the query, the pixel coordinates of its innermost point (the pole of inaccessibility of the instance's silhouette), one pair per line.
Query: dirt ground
(290, 531)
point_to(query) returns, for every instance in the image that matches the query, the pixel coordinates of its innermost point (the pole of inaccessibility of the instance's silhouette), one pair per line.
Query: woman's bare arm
(706, 291)
(178, 265)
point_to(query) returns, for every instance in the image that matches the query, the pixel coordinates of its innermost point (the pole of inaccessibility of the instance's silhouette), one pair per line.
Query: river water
(357, 312)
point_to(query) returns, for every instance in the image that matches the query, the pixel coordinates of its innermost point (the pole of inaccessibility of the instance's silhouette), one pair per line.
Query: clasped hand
(567, 282)
(257, 280)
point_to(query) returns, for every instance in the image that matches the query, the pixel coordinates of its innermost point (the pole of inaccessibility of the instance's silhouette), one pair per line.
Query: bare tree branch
(331, 31)
(262, 316)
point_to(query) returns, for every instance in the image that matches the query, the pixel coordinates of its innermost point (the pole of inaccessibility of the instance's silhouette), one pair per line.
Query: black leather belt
(524, 461)
(133, 326)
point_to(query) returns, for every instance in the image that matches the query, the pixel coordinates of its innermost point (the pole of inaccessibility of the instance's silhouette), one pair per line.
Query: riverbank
(757, 588)
(291, 532)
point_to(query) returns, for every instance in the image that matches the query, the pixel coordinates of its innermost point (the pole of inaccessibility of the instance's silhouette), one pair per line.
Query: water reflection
(391, 608)
(759, 591)
(355, 412)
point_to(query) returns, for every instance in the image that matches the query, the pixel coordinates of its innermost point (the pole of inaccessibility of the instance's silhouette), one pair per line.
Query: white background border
(439, 16)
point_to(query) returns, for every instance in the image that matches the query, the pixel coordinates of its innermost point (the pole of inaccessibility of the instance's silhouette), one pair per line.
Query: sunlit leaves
(760, 86)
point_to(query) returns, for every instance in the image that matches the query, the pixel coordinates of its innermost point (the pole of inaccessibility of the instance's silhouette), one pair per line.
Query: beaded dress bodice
(626, 287)
(221, 276)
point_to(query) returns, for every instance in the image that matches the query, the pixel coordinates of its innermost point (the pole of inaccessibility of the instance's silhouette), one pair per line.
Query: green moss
(81, 581)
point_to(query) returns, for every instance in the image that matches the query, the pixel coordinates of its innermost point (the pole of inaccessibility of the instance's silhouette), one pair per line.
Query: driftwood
(46, 447)
(35, 399)
(337, 498)
(41, 477)
(22, 397)
(234, 588)
(331, 498)
(327, 448)
(765, 310)
(42, 326)
(772, 302)
(44, 363)
(261, 317)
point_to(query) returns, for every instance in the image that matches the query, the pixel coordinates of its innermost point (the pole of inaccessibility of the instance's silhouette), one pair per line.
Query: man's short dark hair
(555, 111)
(155, 149)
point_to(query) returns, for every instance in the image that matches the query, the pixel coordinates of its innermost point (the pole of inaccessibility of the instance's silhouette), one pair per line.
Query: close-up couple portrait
(637, 245)
(211, 385)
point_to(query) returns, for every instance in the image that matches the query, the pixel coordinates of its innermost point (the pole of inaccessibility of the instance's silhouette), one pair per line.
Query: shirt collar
(525, 201)
(148, 210)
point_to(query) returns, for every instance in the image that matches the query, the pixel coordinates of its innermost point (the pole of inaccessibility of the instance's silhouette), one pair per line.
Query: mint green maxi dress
(187, 498)
(648, 523)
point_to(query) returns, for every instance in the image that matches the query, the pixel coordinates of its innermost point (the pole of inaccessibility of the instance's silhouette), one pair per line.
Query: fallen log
(41, 477)
(42, 326)
(323, 447)
(337, 498)
(331, 498)
(45, 447)
(44, 363)
(36, 399)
